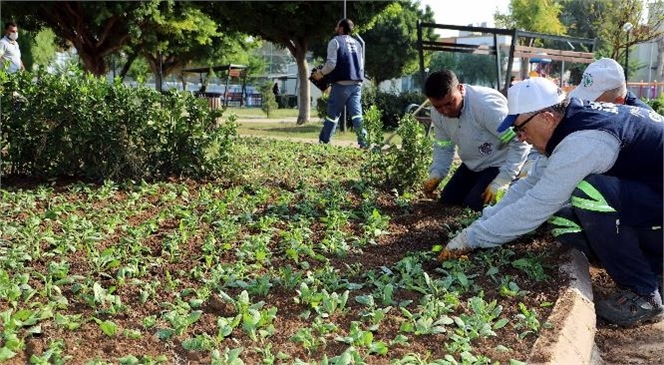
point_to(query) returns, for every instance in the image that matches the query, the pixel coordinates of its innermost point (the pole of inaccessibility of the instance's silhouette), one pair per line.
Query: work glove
(456, 248)
(430, 186)
(495, 190)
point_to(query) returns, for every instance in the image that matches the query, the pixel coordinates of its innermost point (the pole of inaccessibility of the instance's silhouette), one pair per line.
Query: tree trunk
(660, 60)
(298, 49)
(92, 60)
(69, 20)
(127, 65)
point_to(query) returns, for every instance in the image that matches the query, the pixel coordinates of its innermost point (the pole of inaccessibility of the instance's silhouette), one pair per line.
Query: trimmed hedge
(78, 125)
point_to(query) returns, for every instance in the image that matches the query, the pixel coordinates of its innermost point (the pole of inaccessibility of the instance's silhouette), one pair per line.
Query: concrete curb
(573, 341)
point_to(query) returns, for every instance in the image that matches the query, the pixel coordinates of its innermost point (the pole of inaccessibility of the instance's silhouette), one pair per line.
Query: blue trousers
(631, 254)
(465, 187)
(349, 96)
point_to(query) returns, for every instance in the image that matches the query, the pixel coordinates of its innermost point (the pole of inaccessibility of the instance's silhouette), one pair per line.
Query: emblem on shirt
(485, 149)
(654, 116)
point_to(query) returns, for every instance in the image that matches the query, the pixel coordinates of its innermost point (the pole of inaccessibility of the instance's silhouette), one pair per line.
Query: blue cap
(507, 123)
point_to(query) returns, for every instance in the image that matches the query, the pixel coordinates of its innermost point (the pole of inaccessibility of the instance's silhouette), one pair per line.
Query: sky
(465, 12)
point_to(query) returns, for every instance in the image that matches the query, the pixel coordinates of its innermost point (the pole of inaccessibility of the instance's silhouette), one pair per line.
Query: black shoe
(626, 308)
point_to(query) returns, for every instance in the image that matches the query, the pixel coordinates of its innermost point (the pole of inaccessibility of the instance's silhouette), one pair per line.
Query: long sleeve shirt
(546, 189)
(475, 136)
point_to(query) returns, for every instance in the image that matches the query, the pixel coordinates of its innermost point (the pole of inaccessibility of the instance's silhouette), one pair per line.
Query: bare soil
(639, 345)
(418, 228)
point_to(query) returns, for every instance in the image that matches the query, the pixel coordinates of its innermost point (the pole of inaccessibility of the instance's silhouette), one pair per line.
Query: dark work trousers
(631, 255)
(465, 187)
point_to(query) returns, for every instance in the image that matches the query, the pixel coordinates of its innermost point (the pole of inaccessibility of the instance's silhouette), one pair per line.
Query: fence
(643, 90)
(647, 90)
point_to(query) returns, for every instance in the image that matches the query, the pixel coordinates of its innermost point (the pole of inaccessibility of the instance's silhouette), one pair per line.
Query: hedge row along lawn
(294, 260)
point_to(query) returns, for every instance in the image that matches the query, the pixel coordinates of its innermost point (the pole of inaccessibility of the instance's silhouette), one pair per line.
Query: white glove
(495, 190)
(457, 248)
(459, 243)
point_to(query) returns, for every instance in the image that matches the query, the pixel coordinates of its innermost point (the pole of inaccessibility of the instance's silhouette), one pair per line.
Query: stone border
(573, 342)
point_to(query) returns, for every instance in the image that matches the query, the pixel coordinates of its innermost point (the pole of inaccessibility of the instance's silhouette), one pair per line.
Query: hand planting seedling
(446, 254)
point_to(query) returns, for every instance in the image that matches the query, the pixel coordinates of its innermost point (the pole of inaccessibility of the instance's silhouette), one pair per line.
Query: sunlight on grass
(281, 124)
(292, 130)
(257, 113)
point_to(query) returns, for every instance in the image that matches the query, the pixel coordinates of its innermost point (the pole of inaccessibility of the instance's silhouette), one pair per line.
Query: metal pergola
(515, 50)
(231, 70)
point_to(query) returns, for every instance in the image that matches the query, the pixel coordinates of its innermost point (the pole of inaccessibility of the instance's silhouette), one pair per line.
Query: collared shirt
(474, 134)
(10, 53)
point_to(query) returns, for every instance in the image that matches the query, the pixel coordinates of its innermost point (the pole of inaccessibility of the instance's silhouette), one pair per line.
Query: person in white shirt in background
(10, 54)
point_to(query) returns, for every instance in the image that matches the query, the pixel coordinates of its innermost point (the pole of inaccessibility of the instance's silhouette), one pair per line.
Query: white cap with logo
(530, 95)
(600, 76)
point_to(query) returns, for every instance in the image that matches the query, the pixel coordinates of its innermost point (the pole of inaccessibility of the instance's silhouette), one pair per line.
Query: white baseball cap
(600, 76)
(530, 95)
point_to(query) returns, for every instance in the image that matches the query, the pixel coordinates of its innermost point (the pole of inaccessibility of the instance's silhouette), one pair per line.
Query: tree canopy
(605, 20)
(293, 25)
(181, 34)
(540, 16)
(392, 41)
(167, 34)
(95, 29)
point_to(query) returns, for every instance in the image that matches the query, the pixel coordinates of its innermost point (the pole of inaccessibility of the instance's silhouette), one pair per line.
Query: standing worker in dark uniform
(345, 66)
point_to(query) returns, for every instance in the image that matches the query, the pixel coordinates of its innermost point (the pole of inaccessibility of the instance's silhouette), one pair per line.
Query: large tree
(605, 20)
(180, 35)
(540, 16)
(392, 41)
(95, 29)
(293, 25)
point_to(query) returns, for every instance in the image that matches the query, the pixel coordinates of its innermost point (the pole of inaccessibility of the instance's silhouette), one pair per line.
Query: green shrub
(396, 167)
(269, 102)
(75, 124)
(657, 104)
(392, 105)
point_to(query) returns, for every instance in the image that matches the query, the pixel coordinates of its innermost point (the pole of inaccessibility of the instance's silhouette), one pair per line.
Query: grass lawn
(252, 121)
(257, 113)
